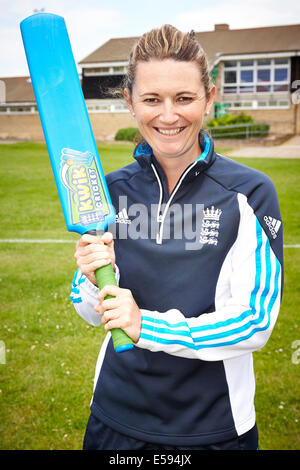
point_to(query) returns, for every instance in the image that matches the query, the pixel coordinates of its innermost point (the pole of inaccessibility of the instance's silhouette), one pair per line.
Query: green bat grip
(106, 277)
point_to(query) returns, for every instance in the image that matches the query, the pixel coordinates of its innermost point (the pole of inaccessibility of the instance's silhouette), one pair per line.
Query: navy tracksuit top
(205, 267)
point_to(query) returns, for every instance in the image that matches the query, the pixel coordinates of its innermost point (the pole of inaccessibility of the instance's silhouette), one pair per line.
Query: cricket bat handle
(106, 277)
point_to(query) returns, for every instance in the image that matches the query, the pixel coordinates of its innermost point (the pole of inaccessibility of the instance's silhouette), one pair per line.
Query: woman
(199, 269)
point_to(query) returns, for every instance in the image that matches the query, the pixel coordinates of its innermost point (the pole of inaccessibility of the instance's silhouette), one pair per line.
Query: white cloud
(92, 22)
(88, 27)
(12, 59)
(237, 14)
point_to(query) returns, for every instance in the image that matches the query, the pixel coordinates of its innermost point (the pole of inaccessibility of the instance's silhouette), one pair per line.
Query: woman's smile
(169, 132)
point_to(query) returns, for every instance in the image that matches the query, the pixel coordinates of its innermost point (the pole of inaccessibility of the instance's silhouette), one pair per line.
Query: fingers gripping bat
(74, 157)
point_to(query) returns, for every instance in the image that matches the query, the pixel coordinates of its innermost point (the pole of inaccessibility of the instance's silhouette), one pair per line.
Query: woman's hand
(121, 311)
(93, 252)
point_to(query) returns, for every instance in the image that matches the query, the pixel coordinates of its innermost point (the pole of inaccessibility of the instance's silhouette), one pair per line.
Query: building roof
(114, 50)
(221, 41)
(18, 90)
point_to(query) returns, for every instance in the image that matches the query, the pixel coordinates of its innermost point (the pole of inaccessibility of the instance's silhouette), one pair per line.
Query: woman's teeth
(169, 131)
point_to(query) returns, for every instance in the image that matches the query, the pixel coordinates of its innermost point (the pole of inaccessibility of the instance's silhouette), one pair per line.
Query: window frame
(238, 68)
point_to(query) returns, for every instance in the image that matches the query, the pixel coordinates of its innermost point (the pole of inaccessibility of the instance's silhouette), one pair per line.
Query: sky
(91, 23)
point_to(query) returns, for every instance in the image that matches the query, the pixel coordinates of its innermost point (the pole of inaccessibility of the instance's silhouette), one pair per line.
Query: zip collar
(143, 154)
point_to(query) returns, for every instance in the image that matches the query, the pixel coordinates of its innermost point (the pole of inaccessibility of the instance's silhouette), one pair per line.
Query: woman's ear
(210, 100)
(127, 97)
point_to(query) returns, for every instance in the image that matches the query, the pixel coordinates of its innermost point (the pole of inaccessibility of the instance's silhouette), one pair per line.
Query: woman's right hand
(93, 252)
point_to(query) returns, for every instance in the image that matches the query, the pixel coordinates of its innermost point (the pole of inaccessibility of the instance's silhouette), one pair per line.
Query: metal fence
(251, 130)
(240, 131)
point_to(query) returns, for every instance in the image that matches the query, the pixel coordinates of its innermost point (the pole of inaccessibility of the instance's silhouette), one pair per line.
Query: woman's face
(169, 102)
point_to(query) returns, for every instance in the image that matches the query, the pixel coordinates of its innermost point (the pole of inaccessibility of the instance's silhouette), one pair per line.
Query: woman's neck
(174, 167)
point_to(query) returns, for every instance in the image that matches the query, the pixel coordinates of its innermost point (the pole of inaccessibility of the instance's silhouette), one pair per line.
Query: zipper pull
(158, 239)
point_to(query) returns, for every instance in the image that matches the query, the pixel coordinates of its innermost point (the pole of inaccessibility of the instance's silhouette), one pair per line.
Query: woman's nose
(168, 113)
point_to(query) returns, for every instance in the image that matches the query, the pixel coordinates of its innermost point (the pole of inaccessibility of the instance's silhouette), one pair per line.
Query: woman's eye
(151, 100)
(185, 99)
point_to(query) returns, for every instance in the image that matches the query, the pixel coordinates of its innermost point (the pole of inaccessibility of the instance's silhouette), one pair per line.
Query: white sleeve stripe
(250, 321)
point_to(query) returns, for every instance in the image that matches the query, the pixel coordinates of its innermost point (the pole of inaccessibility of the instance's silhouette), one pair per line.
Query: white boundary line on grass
(31, 240)
(49, 240)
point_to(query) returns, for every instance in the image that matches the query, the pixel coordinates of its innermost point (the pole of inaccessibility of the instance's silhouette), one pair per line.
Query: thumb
(107, 238)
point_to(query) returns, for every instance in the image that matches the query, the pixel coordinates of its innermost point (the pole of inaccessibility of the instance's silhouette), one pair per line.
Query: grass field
(46, 375)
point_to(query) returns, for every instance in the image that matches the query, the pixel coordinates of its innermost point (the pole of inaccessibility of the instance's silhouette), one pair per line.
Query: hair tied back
(192, 34)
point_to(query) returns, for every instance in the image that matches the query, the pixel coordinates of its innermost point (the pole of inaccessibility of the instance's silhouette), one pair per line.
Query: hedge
(229, 120)
(130, 134)
(238, 127)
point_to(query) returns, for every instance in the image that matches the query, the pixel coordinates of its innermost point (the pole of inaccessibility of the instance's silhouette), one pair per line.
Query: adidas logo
(122, 217)
(273, 225)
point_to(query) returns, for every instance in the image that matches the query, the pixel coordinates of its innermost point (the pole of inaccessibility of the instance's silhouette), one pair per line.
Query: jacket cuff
(90, 288)
(148, 331)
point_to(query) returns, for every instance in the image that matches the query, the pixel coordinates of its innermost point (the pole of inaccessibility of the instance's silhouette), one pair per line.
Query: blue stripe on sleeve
(75, 290)
(76, 300)
(171, 328)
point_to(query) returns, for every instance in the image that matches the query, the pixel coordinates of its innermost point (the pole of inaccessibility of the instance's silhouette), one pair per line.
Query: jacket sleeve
(84, 296)
(247, 301)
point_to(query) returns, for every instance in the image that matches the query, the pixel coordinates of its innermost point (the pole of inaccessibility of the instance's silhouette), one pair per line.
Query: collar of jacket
(143, 154)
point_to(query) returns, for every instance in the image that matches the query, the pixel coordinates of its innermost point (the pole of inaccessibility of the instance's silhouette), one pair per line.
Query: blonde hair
(167, 42)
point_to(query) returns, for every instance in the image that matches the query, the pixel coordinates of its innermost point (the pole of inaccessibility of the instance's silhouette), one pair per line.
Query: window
(280, 88)
(256, 76)
(105, 70)
(246, 76)
(230, 77)
(230, 64)
(228, 89)
(264, 62)
(281, 61)
(15, 108)
(118, 70)
(263, 75)
(255, 104)
(263, 89)
(246, 63)
(246, 89)
(281, 75)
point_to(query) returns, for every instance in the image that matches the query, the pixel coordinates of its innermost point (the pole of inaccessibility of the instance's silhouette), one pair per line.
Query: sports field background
(47, 367)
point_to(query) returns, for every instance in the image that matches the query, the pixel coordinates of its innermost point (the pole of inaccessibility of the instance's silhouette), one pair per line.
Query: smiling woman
(170, 113)
(200, 276)
(168, 90)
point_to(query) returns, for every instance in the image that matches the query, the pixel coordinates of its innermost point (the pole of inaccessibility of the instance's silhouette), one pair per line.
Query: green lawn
(47, 380)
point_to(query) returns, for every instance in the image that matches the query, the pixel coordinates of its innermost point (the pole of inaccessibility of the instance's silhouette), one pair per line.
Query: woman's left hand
(121, 311)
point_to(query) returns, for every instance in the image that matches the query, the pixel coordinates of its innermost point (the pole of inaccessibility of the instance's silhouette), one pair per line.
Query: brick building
(256, 70)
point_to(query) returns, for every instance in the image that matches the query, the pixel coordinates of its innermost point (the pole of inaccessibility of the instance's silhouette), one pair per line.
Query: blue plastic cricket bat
(78, 173)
